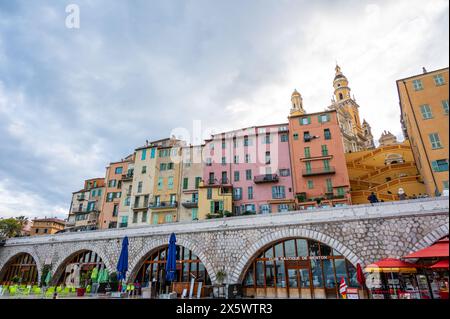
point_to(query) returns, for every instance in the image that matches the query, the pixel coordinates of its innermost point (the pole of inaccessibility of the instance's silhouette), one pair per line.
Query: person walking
(372, 198)
(401, 194)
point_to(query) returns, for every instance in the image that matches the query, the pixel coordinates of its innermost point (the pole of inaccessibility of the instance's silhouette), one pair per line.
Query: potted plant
(220, 276)
(15, 279)
(83, 282)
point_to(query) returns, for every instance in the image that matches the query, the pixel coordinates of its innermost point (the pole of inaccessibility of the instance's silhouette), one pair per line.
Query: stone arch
(23, 250)
(153, 245)
(430, 238)
(58, 267)
(242, 265)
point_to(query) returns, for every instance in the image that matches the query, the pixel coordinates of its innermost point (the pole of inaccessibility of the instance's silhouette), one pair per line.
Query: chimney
(424, 70)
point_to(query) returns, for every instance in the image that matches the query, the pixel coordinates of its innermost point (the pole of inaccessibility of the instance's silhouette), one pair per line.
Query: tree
(10, 227)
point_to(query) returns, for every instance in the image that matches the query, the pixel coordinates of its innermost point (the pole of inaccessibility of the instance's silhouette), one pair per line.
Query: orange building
(113, 192)
(320, 174)
(424, 116)
(46, 226)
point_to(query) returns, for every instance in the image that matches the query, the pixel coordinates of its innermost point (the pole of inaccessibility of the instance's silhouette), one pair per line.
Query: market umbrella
(443, 264)
(122, 265)
(48, 277)
(171, 264)
(94, 275)
(439, 249)
(392, 265)
(360, 276)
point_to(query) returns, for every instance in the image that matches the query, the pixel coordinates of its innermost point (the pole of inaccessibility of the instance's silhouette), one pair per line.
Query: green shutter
(211, 207)
(319, 117)
(328, 117)
(309, 119)
(221, 205)
(435, 166)
(300, 121)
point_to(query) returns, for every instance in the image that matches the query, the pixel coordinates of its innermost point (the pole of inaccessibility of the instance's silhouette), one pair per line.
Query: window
(99, 192)
(285, 172)
(236, 159)
(435, 141)
(236, 176)
(162, 166)
(306, 137)
(168, 218)
(283, 208)
(209, 193)
(440, 165)
(118, 170)
(224, 160)
(246, 141)
(341, 191)
(265, 209)
(194, 213)
(224, 177)
(445, 106)
(124, 220)
(45, 230)
(267, 158)
(139, 190)
(326, 165)
(109, 197)
(170, 182)
(224, 144)
(93, 193)
(237, 193)
(143, 155)
(127, 201)
(278, 192)
(197, 182)
(144, 217)
(305, 120)
(144, 169)
(155, 219)
(284, 137)
(250, 192)
(169, 165)
(417, 84)
(185, 183)
(115, 210)
(112, 183)
(308, 167)
(247, 158)
(152, 154)
(173, 199)
(235, 143)
(324, 118)
(160, 183)
(267, 139)
(307, 152)
(310, 184)
(208, 161)
(248, 174)
(324, 150)
(426, 111)
(329, 185)
(445, 184)
(295, 136)
(439, 79)
(327, 134)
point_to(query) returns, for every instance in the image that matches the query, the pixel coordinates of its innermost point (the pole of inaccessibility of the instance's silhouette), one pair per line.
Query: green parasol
(48, 277)
(95, 275)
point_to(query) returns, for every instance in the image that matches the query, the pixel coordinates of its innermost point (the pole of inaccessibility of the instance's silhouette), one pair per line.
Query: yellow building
(383, 171)
(165, 201)
(46, 226)
(424, 117)
(214, 199)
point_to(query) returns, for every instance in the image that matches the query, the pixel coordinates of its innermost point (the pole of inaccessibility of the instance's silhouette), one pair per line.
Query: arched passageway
(298, 268)
(21, 268)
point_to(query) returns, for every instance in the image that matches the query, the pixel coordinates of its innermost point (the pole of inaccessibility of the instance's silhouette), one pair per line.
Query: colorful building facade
(46, 226)
(424, 117)
(320, 175)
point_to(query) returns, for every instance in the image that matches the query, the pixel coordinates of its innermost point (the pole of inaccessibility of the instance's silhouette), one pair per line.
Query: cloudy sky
(72, 100)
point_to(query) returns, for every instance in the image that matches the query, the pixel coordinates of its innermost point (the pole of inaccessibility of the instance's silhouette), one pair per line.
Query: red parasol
(437, 250)
(443, 264)
(360, 275)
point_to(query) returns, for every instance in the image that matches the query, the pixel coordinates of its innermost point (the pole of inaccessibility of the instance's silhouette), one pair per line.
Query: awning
(437, 250)
(443, 264)
(391, 265)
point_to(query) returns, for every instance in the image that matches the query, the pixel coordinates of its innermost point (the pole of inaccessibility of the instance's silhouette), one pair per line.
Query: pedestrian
(414, 196)
(401, 194)
(372, 198)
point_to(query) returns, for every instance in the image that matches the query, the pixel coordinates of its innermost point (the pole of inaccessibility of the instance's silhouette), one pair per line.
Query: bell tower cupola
(297, 104)
(340, 84)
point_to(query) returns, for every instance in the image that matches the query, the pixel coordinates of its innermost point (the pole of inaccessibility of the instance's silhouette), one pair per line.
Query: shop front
(190, 273)
(299, 268)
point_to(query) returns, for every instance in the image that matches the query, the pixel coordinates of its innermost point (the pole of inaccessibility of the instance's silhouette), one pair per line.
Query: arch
(23, 250)
(242, 265)
(58, 267)
(14, 254)
(152, 246)
(431, 238)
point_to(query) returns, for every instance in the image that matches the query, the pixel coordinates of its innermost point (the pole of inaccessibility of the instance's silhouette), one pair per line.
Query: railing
(163, 205)
(127, 176)
(190, 204)
(223, 181)
(81, 197)
(266, 178)
(85, 210)
(123, 225)
(138, 206)
(318, 171)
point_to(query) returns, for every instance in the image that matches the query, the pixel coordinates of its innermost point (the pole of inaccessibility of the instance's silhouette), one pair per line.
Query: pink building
(255, 163)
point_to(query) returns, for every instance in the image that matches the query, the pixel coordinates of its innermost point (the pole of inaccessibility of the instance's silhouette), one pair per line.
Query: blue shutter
(435, 166)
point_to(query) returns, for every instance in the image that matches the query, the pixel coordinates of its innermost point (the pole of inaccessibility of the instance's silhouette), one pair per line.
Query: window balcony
(162, 205)
(189, 204)
(138, 206)
(266, 178)
(318, 171)
(128, 176)
(81, 197)
(223, 181)
(123, 225)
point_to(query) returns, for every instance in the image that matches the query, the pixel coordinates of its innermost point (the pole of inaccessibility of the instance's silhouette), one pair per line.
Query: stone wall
(362, 233)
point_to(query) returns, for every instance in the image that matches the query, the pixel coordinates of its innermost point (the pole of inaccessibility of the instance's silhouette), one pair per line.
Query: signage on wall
(352, 293)
(301, 258)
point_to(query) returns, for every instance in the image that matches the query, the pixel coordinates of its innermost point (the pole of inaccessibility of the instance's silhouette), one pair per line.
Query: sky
(73, 100)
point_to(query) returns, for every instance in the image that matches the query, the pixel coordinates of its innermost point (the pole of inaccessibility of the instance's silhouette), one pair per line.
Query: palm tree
(10, 227)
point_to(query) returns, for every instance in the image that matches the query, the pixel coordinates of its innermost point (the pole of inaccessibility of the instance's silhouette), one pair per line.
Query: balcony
(138, 206)
(162, 205)
(189, 204)
(223, 181)
(266, 178)
(127, 177)
(81, 198)
(123, 225)
(318, 171)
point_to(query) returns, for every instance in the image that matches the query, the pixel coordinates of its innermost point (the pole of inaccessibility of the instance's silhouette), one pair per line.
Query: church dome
(295, 93)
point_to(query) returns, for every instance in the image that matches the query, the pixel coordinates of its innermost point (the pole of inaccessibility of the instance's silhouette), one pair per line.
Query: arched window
(21, 268)
(341, 96)
(79, 266)
(298, 268)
